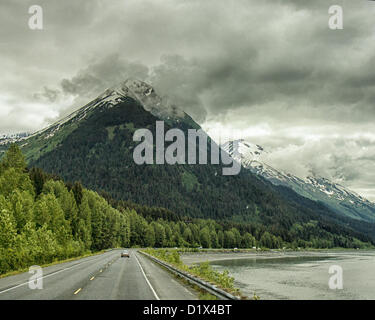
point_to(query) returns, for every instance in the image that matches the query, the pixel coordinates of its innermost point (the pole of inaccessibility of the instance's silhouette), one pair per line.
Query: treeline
(99, 153)
(206, 233)
(44, 219)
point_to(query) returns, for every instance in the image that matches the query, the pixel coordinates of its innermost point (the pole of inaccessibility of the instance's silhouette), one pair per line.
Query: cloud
(271, 71)
(91, 81)
(103, 74)
(48, 94)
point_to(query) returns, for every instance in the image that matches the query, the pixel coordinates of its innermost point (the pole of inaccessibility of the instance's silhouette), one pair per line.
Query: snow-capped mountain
(130, 88)
(334, 195)
(95, 145)
(337, 197)
(137, 90)
(13, 137)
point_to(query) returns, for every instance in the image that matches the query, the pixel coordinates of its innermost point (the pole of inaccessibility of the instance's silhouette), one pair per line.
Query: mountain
(95, 145)
(41, 142)
(335, 196)
(6, 139)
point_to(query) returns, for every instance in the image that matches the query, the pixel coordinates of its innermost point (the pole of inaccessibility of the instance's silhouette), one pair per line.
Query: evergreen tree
(38, 179)
(248, 241)
(150, 236)
(8, 229)
(13, 159)
(205, 239)
(159, 234)
(229, 239)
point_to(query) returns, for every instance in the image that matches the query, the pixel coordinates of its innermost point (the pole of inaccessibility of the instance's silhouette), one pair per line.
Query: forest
(44, 219)
(97, 150)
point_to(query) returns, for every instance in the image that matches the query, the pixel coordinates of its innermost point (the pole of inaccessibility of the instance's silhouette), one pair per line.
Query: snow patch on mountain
(146, 95)
(254, 158)
(135, 89)
(12, 137)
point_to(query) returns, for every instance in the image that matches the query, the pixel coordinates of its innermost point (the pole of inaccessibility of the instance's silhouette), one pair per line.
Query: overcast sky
(268, 71)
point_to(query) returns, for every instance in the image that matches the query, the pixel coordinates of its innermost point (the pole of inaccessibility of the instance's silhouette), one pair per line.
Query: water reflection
(303, 276)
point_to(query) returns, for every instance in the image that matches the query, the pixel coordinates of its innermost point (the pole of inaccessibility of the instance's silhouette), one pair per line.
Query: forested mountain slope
(95, 146)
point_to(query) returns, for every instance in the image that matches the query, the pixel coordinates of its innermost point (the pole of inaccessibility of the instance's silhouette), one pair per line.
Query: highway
(105, 276)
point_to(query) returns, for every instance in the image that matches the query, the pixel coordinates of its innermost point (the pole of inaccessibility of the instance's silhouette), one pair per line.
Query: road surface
(102, 277)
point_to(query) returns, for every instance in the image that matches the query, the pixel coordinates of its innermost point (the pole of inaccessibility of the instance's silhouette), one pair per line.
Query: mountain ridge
(317, 188)
(94, 145)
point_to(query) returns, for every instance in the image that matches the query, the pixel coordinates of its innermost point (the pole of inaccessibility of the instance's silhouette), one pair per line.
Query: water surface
(301, 276)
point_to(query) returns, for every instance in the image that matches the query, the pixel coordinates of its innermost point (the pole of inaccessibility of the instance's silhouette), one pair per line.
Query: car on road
(125, 253)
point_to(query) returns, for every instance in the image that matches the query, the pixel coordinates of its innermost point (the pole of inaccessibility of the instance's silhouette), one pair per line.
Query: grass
(206, 296)
(37, 146)
(202, 294)
(204, 271)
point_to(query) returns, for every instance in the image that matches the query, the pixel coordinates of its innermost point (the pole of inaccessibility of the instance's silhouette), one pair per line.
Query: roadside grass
(88, 254)
(204, 271)
(206, 296)
(202, 294)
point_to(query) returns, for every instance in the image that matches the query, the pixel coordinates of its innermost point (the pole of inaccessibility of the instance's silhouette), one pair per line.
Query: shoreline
(191, 258)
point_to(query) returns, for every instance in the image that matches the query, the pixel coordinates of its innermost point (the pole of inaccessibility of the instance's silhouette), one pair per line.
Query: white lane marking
(48, 275)
(189, 292)
(148, 282)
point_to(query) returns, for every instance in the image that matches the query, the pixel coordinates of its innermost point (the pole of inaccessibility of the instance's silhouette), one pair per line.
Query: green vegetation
(189, 180)
(111, 131)
(207, 296)
(38, 145)
(203, 270)
(43, 219)
(96, 149)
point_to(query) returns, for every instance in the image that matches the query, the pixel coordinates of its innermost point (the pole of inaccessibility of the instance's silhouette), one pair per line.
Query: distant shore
(190, 258)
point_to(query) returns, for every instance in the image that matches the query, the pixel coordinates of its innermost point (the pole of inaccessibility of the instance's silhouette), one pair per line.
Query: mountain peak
(125, 88)
(145, 94)
(314, 186)
(248, 151)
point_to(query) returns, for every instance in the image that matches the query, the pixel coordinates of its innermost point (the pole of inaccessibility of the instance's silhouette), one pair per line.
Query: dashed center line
(50, 274)
(76, 292)
(92, 278)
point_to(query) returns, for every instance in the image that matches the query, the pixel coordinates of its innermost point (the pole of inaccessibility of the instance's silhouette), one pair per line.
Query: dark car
(125, 254)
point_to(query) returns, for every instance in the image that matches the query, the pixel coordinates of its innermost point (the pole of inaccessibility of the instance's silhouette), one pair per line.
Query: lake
(303, 275)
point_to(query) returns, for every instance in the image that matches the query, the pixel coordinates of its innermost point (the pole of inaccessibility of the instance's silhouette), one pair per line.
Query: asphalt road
(102, 277)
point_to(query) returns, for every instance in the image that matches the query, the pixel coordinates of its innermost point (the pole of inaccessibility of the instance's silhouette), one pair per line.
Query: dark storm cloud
(103, 74)
(49, 94)
(303, 65)
(270, 70)
(91, 81)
